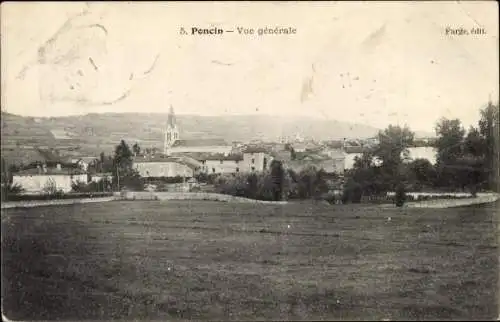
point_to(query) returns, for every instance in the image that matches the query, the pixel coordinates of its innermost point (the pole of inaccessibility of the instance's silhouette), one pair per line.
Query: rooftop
(202, 156)
(49, 171)
(201, 143)
(186, 160)
(255, 149)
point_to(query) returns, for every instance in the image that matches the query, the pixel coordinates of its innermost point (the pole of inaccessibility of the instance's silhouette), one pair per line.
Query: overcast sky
(372, 63)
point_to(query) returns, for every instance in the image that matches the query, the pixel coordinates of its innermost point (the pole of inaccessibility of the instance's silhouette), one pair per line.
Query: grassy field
(219, 261)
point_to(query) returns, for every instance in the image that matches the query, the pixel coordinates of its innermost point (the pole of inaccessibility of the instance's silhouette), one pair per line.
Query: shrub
(352, 192)
(400, 196)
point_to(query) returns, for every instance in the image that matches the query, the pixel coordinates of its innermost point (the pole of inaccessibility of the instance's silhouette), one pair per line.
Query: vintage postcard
(250, 160)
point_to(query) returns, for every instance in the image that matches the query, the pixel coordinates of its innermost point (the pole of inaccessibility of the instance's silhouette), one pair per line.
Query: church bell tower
(171, 132)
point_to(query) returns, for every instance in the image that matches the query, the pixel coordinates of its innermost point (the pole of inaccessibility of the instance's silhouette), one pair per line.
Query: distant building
(47, 179)
(256, 159)
(84, 162)
(220, 163)
(171, 134)
(217, 163)
(299, 147)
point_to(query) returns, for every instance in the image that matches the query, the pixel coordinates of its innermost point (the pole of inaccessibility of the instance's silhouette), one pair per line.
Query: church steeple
(171, 132)
(171, 117)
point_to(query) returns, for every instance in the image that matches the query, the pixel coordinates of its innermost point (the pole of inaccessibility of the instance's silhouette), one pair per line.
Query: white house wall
(227, 166)
(37, 182)
(258, 161)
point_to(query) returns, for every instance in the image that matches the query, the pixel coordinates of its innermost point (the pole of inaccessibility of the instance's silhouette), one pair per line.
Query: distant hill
(93, 133)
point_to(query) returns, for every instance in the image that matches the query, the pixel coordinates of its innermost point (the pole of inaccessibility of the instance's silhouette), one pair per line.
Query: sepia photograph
(229, 161)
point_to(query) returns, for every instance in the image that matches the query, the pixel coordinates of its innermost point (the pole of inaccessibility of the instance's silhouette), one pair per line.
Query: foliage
(394, 142)
(136, 149)
(204, 177)
(400, 196)
(489, 128)
(99, 186)
(50, 188)
(124, 175)
(278, 177)
(420, 173)
(352, 192)
(449, 143)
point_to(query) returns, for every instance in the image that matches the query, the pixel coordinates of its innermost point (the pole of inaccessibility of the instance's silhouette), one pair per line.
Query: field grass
(218, 261)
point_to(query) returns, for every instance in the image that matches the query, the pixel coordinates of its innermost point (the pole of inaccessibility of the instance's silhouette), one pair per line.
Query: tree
(421, 172)
(394, 142)
(449, 145)
(136, 149)
(400, 196)
(123, 156)
(352, 192)
(278, 177)
(474, 143)
(124, 175)
(252, 185)
(490, 132)
(320, 184)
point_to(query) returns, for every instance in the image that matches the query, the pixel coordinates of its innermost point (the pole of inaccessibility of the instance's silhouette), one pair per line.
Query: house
(48, 179)
(255, 159)
(299, 147)
(220, 163)
(84, 162)
(166, 166)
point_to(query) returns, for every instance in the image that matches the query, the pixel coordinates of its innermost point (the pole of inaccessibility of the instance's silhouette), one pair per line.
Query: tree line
(465, 160)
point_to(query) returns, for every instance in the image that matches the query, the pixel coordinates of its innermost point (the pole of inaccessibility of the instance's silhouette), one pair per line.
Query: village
(187, 159)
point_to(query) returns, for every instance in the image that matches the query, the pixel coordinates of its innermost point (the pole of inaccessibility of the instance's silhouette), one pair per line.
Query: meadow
(174, 260)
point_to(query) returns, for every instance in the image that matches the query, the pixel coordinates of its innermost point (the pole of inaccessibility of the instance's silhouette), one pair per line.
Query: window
(237, 161)
(213, 170)
(253, 161)
(237, 169)
(253, 168)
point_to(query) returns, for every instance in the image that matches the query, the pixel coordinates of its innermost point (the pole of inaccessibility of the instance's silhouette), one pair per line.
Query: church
(186, 158)
(172, 143)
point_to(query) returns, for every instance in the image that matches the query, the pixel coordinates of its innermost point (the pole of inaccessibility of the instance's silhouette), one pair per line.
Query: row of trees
(275, 184)
(120, 165)
(465, 160)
